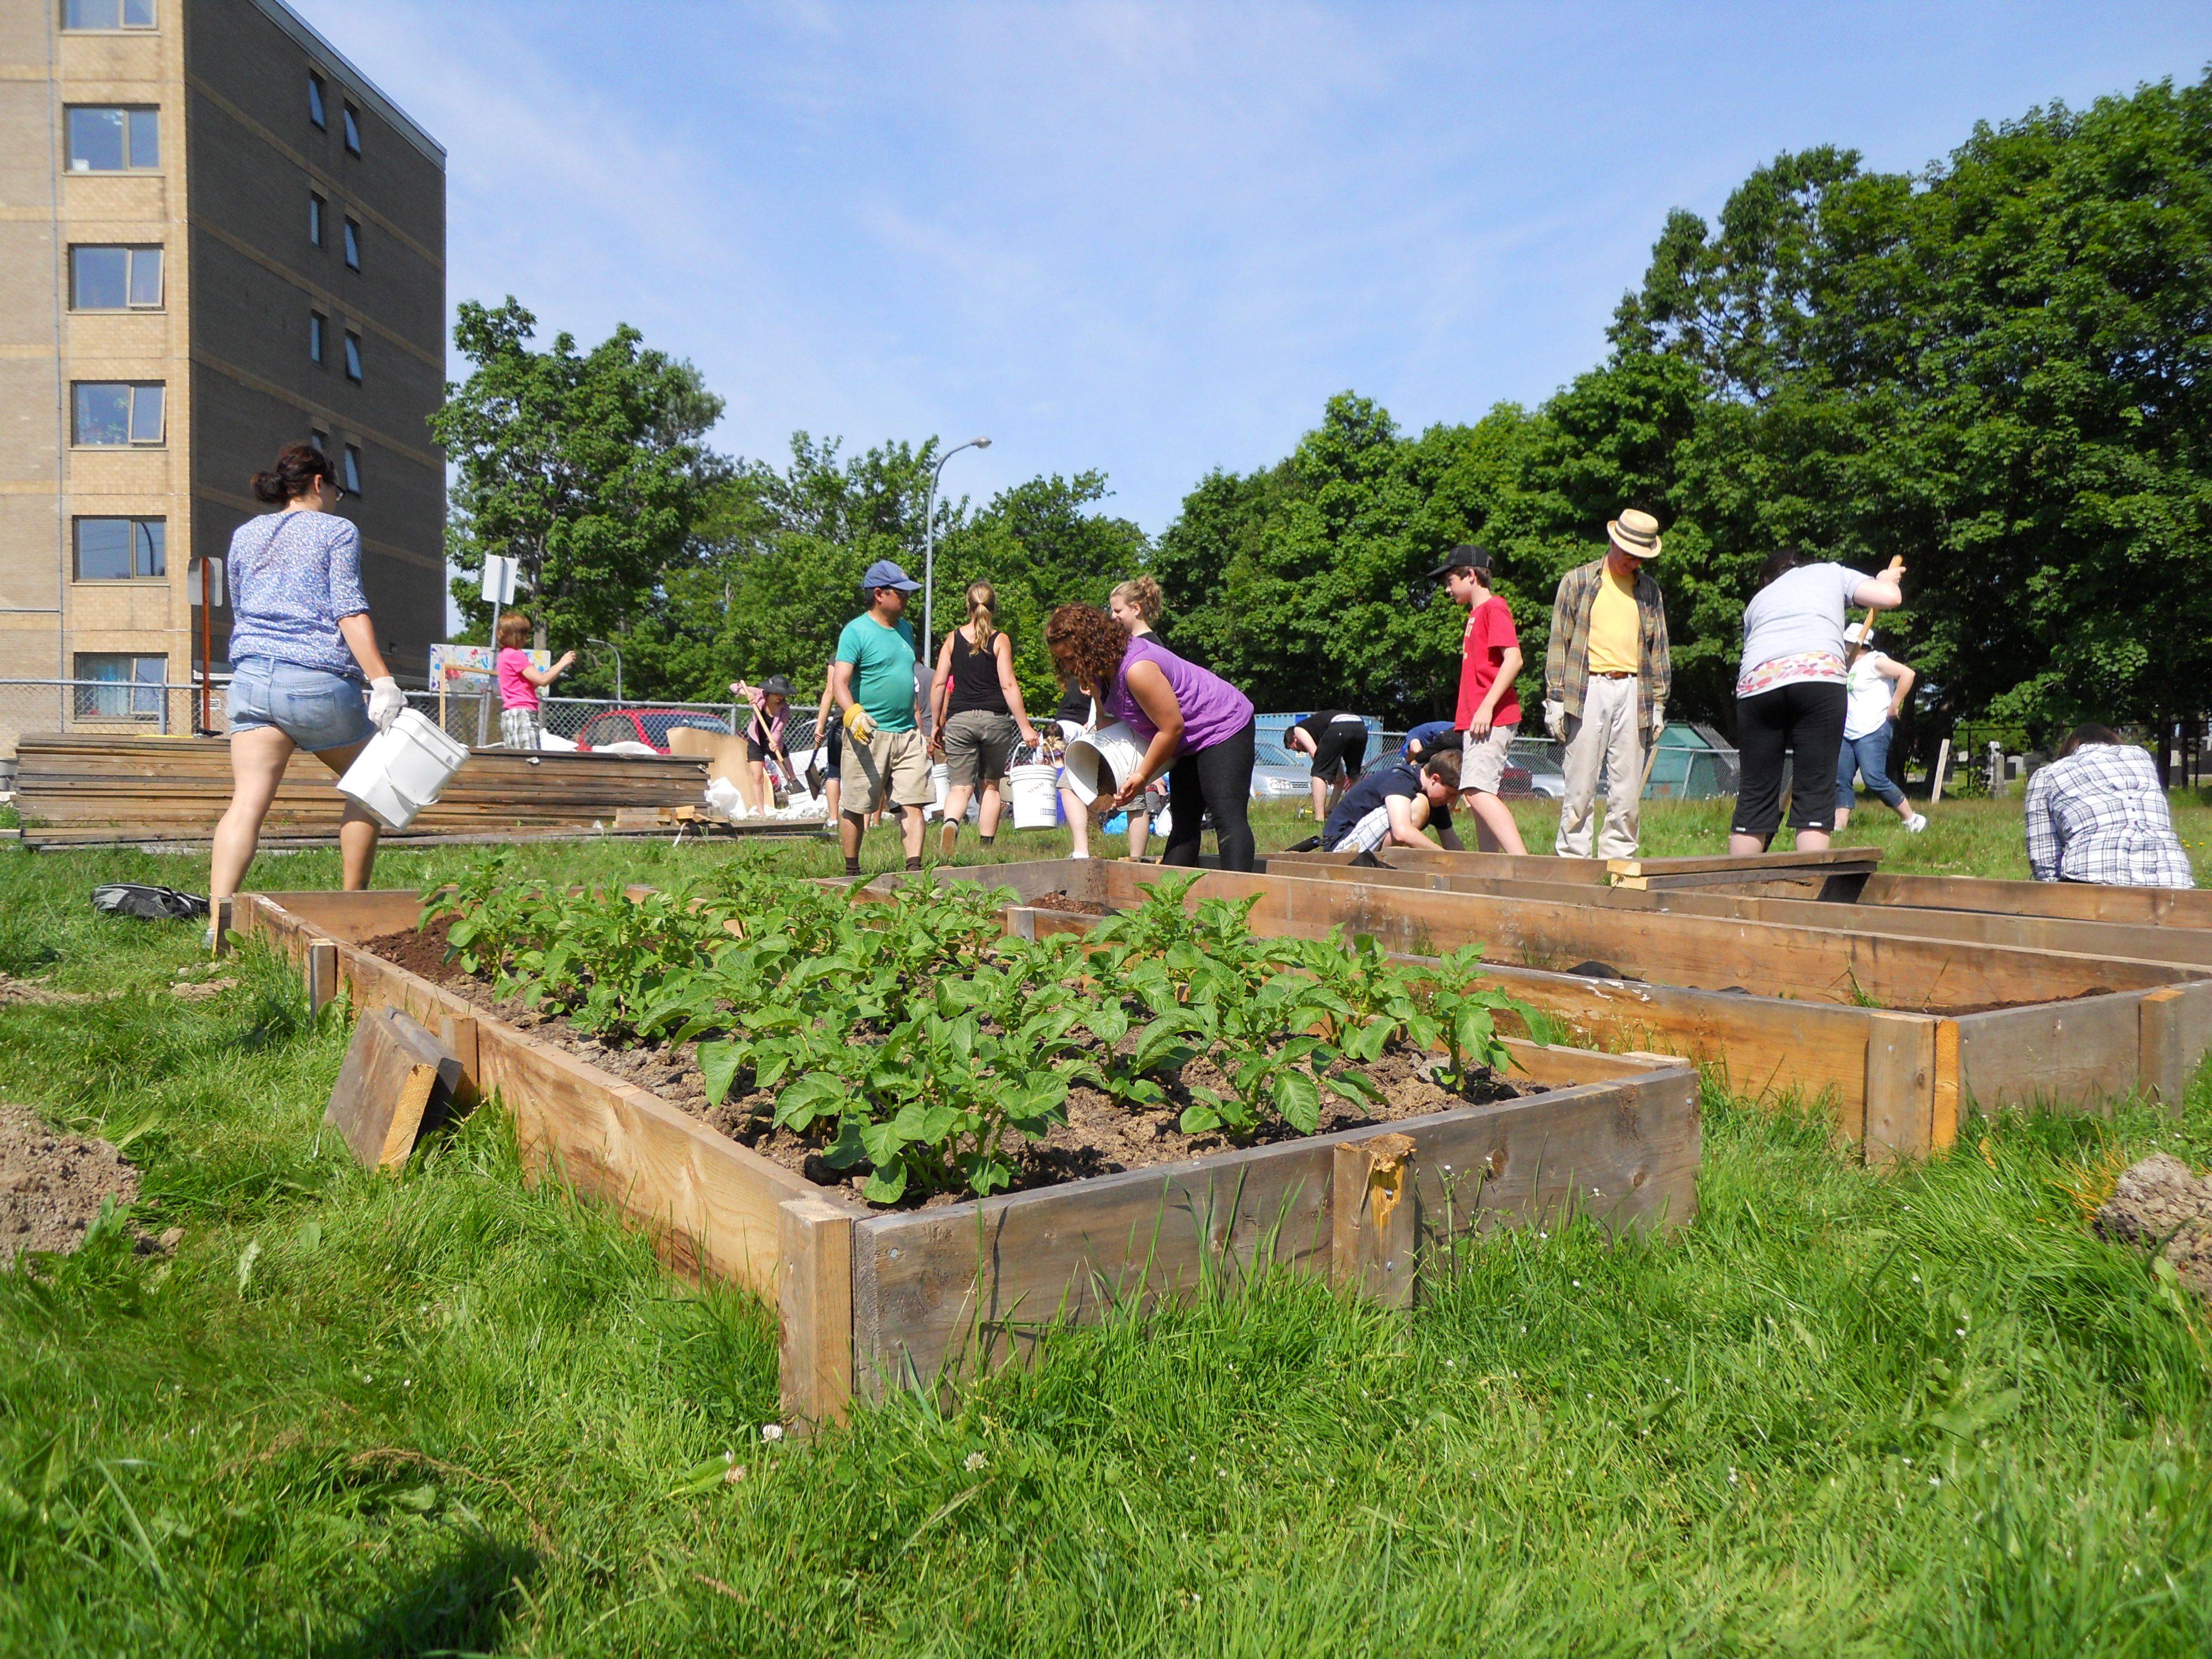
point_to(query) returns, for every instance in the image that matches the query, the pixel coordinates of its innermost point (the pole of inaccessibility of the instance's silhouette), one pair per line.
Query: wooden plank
(1375, 1226)
(815, 1302)
(1900, 1086)
(963, 1286)
(394, 1072)
(352, 917)
(321, 975)
(2078, 1054)
(1732, 863)
(2169, 907)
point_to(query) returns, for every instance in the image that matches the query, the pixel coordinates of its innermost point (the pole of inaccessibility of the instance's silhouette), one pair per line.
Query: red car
(649, 726)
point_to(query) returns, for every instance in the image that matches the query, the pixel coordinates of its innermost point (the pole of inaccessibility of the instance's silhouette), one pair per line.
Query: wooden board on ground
(395, 1073)
(2076, 901)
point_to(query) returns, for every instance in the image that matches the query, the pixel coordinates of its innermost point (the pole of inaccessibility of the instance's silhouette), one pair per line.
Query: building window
(319, 438)
(115, 279)
(121, 549)
(125, 688)
(114, 140)
(353, 356)
(315, 206)
(352, 130)
(107, 15)
(315, 102)
(317, 324)
(351, 470)
(115, 414)
(352, 245)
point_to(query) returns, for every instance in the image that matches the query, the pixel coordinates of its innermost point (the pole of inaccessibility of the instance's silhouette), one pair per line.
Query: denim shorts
(314, 707)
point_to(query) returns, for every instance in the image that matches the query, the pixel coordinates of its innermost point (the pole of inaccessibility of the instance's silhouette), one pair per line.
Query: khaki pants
(1604, 737)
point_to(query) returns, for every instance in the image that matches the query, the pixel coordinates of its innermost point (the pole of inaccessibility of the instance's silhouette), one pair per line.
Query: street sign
(204, 577)
(499, 580)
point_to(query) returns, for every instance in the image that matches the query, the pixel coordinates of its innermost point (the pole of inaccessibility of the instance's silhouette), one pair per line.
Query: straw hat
(1636, 533)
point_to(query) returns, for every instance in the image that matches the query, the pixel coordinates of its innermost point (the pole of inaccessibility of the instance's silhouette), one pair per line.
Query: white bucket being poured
(1036, 796)
(1098, 763)
(403, 768)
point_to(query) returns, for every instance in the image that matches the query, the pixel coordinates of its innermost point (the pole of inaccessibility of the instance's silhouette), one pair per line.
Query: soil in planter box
(1101, 1136)
(1067, 906)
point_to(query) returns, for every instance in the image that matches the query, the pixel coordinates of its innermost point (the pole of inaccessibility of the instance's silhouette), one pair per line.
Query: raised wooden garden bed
(871, 1299)
(1902, 1035)
(2015, 926)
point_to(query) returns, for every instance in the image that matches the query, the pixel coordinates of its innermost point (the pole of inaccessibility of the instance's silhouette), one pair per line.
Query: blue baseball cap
(884, 574)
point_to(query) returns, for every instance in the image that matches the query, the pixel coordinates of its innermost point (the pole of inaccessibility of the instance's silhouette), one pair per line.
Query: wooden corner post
(1900, 1085)
(814, 1295)
(1374, 1218)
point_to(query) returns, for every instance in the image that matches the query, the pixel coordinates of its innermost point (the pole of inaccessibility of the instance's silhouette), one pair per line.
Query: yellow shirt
(1616, 628)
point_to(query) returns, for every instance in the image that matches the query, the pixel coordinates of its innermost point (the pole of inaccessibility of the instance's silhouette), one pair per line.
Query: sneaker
(1916, 823)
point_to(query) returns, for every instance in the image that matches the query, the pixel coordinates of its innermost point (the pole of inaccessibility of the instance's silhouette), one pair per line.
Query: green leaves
(912, 1037)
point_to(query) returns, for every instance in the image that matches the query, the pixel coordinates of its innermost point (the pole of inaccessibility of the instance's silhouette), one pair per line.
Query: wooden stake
(1942, 765)
(1374, 1218)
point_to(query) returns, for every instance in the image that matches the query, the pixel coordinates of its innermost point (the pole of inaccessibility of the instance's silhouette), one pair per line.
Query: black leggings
(1220, 779)
(1807, 719)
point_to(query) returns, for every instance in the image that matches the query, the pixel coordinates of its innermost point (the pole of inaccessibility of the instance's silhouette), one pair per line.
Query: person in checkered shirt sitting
(2097, 813)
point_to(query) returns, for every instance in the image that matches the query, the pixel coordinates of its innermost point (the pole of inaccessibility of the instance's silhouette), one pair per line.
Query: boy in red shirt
(1489, 707)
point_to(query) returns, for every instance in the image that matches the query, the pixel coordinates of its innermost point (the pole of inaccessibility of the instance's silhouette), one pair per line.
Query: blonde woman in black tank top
(977, 715)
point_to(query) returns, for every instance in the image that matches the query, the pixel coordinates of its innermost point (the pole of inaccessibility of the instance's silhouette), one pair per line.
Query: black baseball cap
(1465, 556)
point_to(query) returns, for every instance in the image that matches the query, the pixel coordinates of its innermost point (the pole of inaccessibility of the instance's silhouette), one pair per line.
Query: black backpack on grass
(147, 903)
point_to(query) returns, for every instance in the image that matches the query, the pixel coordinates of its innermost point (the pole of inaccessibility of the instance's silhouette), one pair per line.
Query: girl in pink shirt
(518, 682)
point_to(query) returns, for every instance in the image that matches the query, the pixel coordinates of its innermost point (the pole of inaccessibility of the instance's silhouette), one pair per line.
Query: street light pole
(617, 649)
(929, 548)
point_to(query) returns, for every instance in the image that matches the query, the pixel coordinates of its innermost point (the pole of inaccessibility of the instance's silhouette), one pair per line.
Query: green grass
(1842, 1414)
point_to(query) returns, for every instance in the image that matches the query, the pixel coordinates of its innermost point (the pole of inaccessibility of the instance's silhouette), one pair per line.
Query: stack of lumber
(101, 788)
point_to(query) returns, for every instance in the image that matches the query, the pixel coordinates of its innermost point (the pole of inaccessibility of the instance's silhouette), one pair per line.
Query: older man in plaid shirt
(1606, 673)
(2097, 813)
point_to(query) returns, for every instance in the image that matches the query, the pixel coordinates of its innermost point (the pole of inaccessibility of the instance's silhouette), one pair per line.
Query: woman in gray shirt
(1789, 693)
(305, 670)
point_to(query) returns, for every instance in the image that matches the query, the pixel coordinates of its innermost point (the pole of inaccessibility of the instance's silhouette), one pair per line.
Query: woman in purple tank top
(1198, 728)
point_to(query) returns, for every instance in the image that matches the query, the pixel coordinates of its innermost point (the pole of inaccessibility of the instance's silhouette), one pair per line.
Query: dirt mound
(2160, 1205)
(51, 1184)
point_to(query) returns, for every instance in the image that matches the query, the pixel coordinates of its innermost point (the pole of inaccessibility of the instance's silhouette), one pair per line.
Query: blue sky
(1153, 239)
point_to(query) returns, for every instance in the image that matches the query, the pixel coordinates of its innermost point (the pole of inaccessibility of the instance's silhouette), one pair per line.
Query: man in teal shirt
(872, 680)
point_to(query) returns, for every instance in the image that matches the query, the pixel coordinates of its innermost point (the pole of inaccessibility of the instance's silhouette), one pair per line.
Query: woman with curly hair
(1197, 727)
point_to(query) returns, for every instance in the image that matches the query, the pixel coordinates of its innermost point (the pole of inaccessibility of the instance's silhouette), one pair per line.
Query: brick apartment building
(217, 237)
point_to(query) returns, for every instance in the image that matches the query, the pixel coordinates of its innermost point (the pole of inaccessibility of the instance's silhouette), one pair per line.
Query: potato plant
(908, 1038)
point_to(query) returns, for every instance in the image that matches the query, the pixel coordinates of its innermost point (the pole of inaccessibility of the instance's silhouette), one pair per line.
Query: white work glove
(858, 723)
(1555, 718)
(1658, 721)
(386, 703)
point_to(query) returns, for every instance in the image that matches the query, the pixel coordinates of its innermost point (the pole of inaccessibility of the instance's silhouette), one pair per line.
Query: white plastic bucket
(1036, 796)
(940, 780)
(1116, 748)
(403, 768)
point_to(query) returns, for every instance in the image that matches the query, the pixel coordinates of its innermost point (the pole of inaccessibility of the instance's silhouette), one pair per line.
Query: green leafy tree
(589, 467)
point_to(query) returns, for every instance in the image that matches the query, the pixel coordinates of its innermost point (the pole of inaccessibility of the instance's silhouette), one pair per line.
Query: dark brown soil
(1067, 906)
(1955, 1010)
(1101, 1136)
(51, 1184)
(2160, 1205)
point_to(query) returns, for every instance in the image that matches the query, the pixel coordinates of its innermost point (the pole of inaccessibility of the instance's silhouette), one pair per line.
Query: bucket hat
(1636, 533)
